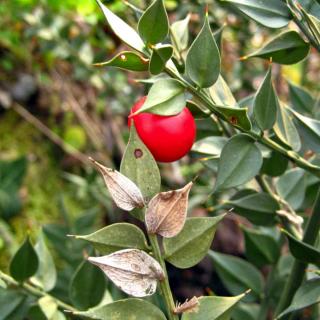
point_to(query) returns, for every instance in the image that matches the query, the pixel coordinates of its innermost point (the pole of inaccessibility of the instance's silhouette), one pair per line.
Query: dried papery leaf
(131, 270)
(124, 192)
(188, 306)
(167, 211)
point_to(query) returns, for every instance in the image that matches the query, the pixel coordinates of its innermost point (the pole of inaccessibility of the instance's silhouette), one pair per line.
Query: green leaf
(48, 306)
(237, 274)
(285, 129)
(180, 33)
(303, 251)
(307, 295)
(266, 103)
(247, 311)
(11, 177)
(116, 237)
(139, 165)
(127, 60)
(210, 145)
(87, 286)
(221, 93)
(313, 23)
(191, 245)
(214, 308)
(166, 97)
(46, 275)
(286, 48)
(301, 99)
(270, 13)
(203, 59)
(160, 55)
(154, 25)
(275, 165)
(309, 129)
(127, 34)
(262, 248)
(239, 162)
(125, 309)
(292, 187)
(258, 208)
(238, 117)
(10, 300)
(25, 262)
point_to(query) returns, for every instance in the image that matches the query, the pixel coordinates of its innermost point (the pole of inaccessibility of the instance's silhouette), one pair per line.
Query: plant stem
(298, 269)
(35, 291)
(164, 284)
(213, 109)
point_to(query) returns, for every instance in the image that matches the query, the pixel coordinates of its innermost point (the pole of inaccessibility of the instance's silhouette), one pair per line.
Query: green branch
(164, 284)
(35, 291)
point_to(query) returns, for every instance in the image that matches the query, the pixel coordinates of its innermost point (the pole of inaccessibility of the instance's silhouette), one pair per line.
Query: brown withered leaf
(123, 191)
(167, 211)
(188, 306)
(131, 270)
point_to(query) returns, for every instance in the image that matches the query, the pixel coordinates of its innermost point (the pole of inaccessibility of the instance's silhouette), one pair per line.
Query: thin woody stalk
(164, 284)
(35, 291)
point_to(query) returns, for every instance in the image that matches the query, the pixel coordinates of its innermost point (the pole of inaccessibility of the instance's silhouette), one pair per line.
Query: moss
(43, 183)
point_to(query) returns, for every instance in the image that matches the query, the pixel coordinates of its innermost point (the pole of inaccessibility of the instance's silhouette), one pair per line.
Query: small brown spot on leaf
(138, 153)
(233, 120)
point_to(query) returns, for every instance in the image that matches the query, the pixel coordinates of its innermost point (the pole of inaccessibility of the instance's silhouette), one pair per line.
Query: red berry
(168, 138)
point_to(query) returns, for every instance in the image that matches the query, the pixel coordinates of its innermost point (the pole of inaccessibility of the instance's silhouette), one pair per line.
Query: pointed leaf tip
(124, 192)
(167, 211)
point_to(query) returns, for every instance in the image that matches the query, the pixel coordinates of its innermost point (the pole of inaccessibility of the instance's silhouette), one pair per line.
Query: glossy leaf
(309, 129)
(139, 165)
(160, 55)
(237, 274)
(266, 103)
(123, 191)
(191, 245)
(131, 270)
(307, 295)
(166, 97)
(285, 128)
(239, 162)
(286, 48)
(46, 275)
(258, 208)
(127, 34)
(238, 117)
(270, 13)
(166, 212)
(125, 309)
(154, 25)
(203, 59)
(48, 306)
(210, 145)
(115, 237)
(301, 99)
(180, 33)
(87, 286)
(25, 262)
(221, 93)
(127, 60)
(303, 251)
(214, 308)
(292, 187)
(262, 248)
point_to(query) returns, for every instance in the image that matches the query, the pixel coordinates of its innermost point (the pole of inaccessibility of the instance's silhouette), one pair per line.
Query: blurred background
(56, 109)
